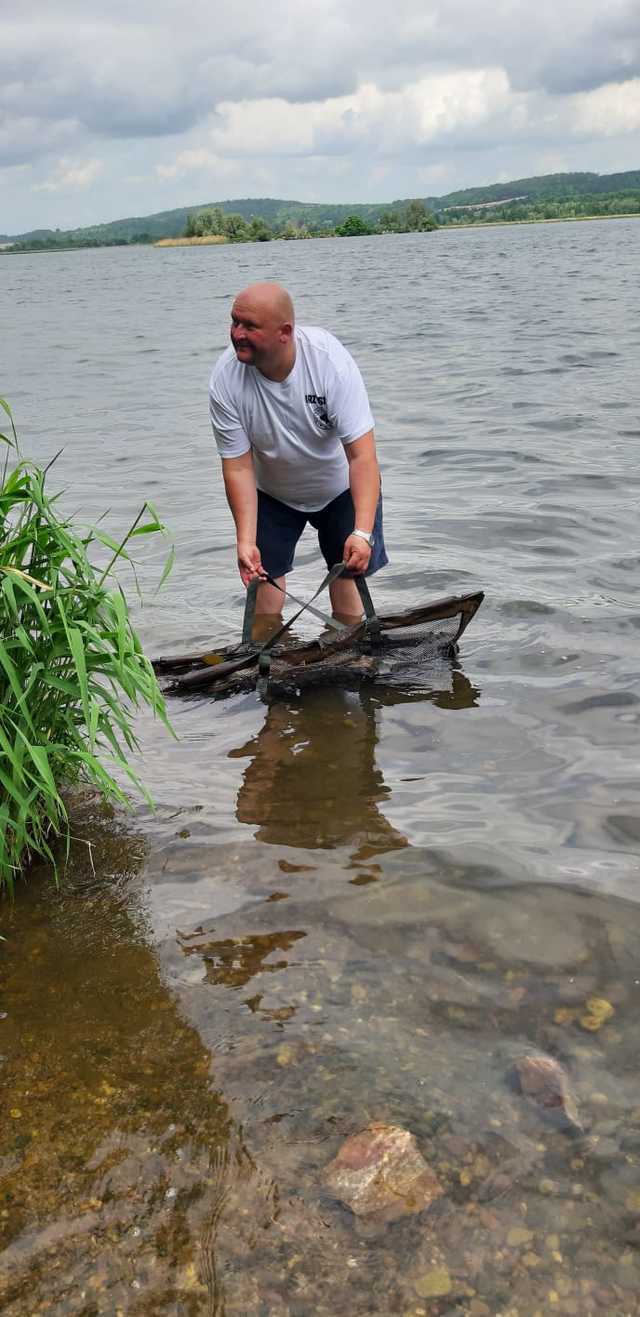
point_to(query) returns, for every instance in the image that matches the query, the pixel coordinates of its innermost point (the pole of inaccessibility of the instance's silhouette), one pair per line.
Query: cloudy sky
(113, 109)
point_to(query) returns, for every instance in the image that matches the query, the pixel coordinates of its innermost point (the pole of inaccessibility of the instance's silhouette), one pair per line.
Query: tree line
(214, 222)
(414, 217)
(63, 242)
(546, 208)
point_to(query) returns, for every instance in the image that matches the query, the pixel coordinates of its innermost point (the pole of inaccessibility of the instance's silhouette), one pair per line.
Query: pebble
(543, 1080)
(519, 1235)
(597, 1012)
(433, 1284)
(382, 1169)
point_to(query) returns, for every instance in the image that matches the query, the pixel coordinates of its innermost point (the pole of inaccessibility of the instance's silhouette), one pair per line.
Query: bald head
(262, 329)
(271, 300)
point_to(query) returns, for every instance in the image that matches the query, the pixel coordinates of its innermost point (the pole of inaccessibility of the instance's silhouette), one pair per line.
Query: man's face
(254, 333)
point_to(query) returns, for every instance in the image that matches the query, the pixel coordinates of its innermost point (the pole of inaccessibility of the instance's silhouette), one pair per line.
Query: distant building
(486, 205)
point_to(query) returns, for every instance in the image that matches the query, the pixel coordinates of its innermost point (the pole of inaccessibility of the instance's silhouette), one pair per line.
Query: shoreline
(556, 219)
(218, 240)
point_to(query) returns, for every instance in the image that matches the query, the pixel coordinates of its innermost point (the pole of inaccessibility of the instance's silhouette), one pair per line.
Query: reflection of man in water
(294, 430)
(313, 781)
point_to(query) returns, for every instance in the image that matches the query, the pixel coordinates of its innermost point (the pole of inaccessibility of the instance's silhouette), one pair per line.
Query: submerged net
(394, 650)
(390, 648)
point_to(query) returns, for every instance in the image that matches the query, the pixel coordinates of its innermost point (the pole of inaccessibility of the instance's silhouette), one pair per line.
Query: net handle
(373, 621)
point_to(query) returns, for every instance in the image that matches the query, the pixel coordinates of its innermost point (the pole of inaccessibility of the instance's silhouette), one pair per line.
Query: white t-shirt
(296, 428)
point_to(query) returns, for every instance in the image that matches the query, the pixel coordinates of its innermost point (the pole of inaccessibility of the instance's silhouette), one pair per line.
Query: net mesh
(432, 634)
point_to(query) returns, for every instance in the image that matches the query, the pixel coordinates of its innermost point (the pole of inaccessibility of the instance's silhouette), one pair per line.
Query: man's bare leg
(270, 600)
(345, 601)
(268, 615)
(345, 604)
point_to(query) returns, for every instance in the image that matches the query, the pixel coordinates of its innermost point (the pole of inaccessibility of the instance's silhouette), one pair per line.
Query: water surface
(350, 906)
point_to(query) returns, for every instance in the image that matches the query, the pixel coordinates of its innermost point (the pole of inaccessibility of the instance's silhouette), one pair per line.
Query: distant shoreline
(218, 239)
(557, 219)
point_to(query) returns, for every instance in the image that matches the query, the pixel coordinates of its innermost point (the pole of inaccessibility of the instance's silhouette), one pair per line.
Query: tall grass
(72, 669)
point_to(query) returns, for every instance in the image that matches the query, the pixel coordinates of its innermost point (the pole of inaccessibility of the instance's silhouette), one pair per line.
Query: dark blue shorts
(280, 528)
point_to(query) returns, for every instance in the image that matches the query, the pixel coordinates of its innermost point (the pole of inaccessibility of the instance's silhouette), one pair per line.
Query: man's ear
(286, 331)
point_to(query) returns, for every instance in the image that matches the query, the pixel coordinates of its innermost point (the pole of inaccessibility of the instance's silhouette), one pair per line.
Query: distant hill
(171, 223)
(548, 186)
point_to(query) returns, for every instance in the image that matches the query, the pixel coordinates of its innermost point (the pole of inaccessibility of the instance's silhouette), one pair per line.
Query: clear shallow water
(349, 907)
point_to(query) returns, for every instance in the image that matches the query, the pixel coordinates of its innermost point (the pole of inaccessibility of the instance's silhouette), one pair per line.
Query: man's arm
(242, 496)
(364, 483)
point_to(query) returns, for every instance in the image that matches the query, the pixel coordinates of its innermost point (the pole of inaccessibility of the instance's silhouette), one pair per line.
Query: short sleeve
(351, 413)
(228, 432)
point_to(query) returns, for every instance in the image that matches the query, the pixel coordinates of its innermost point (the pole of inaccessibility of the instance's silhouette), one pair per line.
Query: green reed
(72, 669)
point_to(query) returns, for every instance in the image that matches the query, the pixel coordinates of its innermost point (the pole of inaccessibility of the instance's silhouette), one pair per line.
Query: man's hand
(250, 563)
(357, 554)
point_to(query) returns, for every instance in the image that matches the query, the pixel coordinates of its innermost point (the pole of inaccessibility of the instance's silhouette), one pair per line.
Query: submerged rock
(434, 1284)
(382, 1170)
(543, 1079)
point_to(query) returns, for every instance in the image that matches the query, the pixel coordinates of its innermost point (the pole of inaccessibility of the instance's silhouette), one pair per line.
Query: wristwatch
(365, 535)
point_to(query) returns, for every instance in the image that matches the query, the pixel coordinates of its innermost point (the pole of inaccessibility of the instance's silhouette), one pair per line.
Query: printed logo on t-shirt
(318, 405)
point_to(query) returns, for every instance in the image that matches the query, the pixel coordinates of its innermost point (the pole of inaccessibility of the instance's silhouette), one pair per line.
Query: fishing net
(387, 647)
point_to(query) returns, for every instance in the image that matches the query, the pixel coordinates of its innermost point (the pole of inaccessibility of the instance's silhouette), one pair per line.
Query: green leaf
(150, 527)
(10, 787)
(109, 542)
(39, 756)
(77, 652)
(13, 442)
(168, 567)
(12, 676)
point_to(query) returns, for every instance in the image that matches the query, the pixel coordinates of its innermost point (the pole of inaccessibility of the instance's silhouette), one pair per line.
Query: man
(293, 427)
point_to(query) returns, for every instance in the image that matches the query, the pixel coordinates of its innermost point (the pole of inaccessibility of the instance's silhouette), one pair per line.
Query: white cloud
(427, 111)
(186, 162)
(205, 163)
(71, 176)
(438, 111)
(610, 111)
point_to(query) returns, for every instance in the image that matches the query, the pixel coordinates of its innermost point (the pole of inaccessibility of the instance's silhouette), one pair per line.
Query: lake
(348, 906)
